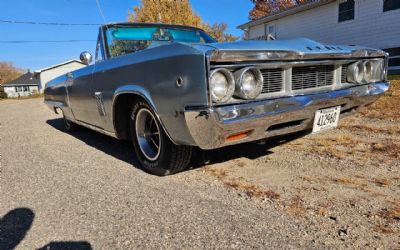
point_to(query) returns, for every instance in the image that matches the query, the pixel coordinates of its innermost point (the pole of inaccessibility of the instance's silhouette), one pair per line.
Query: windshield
(125, 40)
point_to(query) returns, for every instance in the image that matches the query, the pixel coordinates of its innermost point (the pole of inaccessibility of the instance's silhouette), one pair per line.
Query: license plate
(326, 119)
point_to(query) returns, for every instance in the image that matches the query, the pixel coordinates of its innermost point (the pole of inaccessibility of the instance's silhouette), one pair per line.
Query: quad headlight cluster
(365, 71)
(246, 83)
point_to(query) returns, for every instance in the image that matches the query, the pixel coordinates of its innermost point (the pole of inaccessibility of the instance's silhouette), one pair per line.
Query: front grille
(312, 76)
(273, 80)
(343, 77)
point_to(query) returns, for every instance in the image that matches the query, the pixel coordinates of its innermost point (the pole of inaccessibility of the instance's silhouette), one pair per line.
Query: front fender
(168, 77)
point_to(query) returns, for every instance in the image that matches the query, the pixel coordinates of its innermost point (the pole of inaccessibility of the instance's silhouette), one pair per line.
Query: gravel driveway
(83, 191)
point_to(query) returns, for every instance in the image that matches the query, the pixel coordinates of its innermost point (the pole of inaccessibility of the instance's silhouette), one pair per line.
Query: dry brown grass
(381, 182)
(383, 229)
(391, 214)
(349, 181)
(336, 147)
(388, 147)
(217, 172)
(387, 107)
(240, 164)
(343, 146)
(252, 190)
(390, 129)
(353, 183)
(307, 178)
(322, 211)
(296, 207)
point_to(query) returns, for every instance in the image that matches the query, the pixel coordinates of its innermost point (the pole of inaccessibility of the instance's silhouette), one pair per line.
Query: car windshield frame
(147, 36)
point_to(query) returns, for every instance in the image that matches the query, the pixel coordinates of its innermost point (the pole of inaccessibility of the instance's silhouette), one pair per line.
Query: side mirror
(86, 58)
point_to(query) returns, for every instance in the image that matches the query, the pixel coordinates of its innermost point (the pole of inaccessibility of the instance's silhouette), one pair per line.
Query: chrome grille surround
(295, 77)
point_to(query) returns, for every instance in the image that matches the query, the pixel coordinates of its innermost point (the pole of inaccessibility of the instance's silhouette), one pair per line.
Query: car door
(86, 102)
(100, 91)
(79, 87)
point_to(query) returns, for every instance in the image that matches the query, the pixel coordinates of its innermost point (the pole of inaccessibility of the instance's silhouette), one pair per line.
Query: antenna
(101, 12)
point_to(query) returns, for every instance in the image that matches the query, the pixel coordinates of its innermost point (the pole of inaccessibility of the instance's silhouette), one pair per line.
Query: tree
(176, 12)
(218, 31)
(8, 72)
(267, 7)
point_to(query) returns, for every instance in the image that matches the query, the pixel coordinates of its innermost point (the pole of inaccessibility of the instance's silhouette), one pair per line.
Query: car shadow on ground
(123, 150)
(15, 225)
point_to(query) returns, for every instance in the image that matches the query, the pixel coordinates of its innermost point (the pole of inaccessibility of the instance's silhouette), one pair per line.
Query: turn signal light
(238, 136)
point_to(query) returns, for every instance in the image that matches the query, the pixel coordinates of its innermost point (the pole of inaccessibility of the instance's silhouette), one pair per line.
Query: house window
(270, 32)
(346, 10)
(391, 5)
(26, 89)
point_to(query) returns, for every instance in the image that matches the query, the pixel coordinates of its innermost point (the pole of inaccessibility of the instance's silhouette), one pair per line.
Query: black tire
(70, 126)
(170, 158)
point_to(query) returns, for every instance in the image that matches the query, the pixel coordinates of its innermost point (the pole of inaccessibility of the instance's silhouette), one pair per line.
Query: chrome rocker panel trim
(210, 126)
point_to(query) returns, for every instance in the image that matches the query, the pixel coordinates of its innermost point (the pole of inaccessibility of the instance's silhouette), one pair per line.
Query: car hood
(301, 48)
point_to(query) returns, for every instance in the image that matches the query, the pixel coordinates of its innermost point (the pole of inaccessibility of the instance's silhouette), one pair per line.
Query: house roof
(284, 13)
(25, 79)
(58, 65)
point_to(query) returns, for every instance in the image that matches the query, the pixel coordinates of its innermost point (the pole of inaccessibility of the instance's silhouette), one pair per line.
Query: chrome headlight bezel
(230, 80)
(366, 71)
(258, 84)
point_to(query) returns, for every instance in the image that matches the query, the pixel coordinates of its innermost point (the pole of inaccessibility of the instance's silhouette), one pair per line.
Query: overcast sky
(39, 55)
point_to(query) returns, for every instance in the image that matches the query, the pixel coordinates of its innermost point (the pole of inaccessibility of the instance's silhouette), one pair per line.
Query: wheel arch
(122, 104)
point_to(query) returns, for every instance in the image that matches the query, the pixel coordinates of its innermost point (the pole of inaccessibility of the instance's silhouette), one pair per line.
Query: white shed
(47, 74)
(371, 23)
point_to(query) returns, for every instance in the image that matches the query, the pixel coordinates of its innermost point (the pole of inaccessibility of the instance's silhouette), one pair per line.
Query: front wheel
(156, 152)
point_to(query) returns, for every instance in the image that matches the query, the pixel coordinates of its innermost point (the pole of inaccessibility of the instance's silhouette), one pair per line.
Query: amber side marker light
(238, 136)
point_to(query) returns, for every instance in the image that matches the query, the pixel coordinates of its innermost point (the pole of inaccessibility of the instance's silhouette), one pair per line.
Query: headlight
(222, 85)
(249, 83)
(355, 72)
(365, 71)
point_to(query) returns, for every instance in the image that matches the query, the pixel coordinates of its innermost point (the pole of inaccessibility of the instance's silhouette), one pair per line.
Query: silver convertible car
(171, 88)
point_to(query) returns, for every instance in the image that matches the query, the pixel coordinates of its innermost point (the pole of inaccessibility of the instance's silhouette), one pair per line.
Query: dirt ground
(344, 183)
(334, 190)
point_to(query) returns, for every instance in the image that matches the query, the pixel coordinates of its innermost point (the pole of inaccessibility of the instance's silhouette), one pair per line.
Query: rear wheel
(156, 152)
(69, 125)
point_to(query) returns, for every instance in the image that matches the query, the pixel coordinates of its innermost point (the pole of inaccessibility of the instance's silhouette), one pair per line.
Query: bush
(3, 95)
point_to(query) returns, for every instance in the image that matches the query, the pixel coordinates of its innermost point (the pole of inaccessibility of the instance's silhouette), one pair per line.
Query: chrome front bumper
(210, 127)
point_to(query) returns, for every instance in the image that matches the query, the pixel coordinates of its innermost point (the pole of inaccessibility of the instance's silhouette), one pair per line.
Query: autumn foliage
(8, 72)
(267, 7)
(176, 12)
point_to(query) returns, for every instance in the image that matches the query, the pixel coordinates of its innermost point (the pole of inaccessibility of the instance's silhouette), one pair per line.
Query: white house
(371, 23)
(47, 74)
(24, 85)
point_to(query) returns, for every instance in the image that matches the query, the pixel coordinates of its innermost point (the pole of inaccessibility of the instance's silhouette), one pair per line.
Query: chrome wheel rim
(148, 134)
